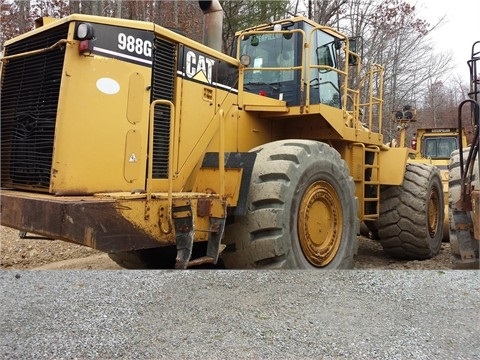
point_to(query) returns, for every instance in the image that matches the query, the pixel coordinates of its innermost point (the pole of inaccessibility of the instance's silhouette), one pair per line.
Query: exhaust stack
(213, 23)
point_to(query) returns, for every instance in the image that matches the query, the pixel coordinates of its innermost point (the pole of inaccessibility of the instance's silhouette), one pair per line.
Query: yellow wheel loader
(464, 180)
(132, 139)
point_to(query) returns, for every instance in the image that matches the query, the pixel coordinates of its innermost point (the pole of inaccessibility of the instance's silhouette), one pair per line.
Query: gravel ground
(240, 314)
(31, 253)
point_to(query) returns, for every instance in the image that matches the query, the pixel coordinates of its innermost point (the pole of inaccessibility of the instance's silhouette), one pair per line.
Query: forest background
(392, 31)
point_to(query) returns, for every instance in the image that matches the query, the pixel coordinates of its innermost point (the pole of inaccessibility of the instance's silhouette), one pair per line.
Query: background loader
(431, 146)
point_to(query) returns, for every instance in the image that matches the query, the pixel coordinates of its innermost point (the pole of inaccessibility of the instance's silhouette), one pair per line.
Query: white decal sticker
(199, 67)
(133, 158)
(135, 45)
(108, 86)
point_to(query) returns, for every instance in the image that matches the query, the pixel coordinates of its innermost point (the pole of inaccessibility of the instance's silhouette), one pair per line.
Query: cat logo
(199, 67)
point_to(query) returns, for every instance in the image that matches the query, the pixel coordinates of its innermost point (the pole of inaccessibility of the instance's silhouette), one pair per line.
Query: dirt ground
(34, 253)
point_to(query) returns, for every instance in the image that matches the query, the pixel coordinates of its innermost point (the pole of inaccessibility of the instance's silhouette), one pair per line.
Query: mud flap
(183, 221)
(215, 237)
(217, 226)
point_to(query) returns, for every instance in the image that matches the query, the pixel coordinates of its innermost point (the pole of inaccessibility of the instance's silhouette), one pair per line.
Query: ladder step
(206, 259)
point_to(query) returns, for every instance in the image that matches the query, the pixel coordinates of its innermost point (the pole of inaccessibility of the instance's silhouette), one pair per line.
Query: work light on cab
(245, 60)
(84, 33)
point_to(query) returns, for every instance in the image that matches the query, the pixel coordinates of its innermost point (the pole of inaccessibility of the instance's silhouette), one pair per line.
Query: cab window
(269, 51)
(440, 148)
(270, 73)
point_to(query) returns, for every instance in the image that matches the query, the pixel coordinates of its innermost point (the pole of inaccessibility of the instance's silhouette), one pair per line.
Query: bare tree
(328, 12)
(243, 14)
(396, 37)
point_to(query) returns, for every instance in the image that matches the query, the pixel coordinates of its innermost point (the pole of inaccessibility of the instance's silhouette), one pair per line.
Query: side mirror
(353, 45)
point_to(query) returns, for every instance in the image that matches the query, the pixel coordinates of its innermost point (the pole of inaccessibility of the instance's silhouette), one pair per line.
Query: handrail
(38, 51)
(344, 86)
(221, 153)
(375, 73)
(170, 151)
(473, 153)
(375, 69)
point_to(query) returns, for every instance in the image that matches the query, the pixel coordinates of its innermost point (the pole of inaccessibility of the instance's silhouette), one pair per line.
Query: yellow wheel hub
(433, 213)
(320, 223)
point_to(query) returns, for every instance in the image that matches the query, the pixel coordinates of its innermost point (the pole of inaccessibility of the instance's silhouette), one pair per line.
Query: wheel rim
(433, 212)
(320, 224)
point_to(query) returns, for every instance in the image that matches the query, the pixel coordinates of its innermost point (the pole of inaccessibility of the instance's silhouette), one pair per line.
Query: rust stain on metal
(203, 207)
(87, 221)
(476, 213)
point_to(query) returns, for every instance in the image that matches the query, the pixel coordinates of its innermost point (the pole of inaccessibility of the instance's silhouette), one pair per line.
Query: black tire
(156, 258)
(302, 211)
(159, 258)
(454, 190)
(410, 225)
(372, 232)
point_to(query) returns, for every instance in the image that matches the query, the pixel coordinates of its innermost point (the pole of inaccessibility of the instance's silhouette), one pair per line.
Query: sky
(461, 28)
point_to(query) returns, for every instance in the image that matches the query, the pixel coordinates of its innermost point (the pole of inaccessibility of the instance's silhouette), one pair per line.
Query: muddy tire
(301, 214)
(454, 190)
(156, 258)
(411, 219)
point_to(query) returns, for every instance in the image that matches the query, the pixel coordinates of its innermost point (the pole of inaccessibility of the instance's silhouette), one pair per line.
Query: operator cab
(280, 66)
